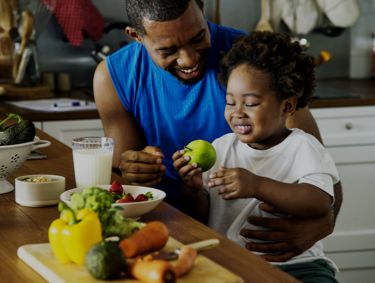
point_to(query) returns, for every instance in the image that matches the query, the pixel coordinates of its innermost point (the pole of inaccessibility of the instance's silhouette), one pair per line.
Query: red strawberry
(126, 198)
(141, 197)
(116, 187)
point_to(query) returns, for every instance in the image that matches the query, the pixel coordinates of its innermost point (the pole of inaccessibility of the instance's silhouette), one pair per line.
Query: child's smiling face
(253, 110)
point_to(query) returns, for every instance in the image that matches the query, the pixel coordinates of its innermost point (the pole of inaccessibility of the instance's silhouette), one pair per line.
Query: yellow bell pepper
(72, 236)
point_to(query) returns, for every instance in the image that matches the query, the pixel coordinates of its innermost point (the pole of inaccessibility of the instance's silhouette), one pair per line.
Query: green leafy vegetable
(149, 195)
(100, 201)
(94, 198)
(119, 226)
(15, 130)
(10, 116)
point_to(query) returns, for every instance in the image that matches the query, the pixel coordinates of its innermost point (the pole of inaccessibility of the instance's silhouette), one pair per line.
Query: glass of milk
(92, 157)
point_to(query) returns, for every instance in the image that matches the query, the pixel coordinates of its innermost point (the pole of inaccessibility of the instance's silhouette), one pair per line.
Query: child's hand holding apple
(198, 156)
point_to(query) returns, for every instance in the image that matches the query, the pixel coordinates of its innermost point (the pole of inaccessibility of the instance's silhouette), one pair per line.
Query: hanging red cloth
(78, 17)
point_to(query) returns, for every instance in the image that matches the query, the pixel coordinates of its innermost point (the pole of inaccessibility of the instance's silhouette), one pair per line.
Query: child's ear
(290, 105)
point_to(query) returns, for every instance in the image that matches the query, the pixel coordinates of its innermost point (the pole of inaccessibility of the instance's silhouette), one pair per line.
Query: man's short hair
(155, 10)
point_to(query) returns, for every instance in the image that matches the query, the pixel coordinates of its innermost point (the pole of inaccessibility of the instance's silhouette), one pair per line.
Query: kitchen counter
(54, 116)
(346, 93)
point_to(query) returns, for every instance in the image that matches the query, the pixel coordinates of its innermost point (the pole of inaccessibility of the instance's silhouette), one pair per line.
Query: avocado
(105, 260)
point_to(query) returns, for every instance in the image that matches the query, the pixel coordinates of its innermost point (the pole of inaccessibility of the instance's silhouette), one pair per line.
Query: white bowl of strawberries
(134, 201)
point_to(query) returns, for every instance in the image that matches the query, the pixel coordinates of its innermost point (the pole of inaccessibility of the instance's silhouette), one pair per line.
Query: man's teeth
(188, 71)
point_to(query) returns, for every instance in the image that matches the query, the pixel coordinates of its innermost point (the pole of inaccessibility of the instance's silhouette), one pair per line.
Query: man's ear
(290, 105)
(132, 32)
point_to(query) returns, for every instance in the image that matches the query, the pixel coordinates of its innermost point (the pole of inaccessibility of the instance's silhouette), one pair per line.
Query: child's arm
(298, 200)
(196, 199)
(196, 203)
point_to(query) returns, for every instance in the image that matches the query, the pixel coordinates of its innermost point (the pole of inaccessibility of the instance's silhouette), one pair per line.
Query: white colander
(13, 156)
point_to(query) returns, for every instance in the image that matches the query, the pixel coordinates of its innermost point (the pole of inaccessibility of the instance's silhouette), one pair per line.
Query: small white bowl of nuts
(39, 190)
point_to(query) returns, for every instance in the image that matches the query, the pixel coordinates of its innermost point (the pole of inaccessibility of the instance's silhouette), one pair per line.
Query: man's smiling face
(179, 46)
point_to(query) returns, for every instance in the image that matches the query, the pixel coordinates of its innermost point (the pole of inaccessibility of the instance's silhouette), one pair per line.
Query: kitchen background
(347, 125)
(351, 50)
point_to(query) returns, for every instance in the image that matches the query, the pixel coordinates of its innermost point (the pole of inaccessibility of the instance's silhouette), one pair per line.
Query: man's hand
(290, 236)
(142, 167)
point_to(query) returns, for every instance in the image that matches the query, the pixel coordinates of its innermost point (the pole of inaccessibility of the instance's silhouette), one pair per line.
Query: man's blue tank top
(171, 113)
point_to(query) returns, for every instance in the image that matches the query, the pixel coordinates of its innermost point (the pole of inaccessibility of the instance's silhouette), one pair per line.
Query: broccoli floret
(149, 195)
(100, 201)
(77, 201)
(94, 198)
(117, 225)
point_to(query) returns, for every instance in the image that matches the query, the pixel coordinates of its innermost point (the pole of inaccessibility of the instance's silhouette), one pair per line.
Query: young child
(267, 78)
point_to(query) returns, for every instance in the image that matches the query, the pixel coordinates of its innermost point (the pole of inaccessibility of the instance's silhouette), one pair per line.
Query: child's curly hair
(290, 68)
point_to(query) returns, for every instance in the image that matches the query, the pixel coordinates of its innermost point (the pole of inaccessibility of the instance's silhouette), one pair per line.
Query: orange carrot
(185, 261)
(152, 237)
(152, 271)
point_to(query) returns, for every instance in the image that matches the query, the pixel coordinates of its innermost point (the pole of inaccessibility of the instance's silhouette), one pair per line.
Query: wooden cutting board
(41, 259)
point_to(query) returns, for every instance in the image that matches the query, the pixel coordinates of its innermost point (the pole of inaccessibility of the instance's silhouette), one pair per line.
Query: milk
(92, 167)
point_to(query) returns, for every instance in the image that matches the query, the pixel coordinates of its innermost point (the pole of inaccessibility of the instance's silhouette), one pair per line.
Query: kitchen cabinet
(349, 135)
(66, 131)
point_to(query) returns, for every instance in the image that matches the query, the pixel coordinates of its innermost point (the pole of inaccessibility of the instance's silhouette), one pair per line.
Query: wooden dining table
(20, 225)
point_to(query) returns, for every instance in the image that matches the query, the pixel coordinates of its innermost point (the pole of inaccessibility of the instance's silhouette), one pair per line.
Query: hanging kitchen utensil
(276, 9)
(6, 51)
(263, 23)
(300, 16)
(79, 19)
(24, 61)
(42, 11)
(341, 13)
(13, 4)
(6, 17)
(26, 30)
(328, 29)
(216, 15)
(6, 22)
(6, 45)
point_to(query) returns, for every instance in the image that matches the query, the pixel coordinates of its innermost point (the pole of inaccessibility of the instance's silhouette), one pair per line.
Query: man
(160, 92)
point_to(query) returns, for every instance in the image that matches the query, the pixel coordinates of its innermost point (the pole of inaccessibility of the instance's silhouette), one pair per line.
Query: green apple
(201, 152)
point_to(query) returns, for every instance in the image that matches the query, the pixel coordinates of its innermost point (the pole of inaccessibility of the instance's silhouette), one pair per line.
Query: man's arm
(304, 120)
(139, 163)
(117, 122)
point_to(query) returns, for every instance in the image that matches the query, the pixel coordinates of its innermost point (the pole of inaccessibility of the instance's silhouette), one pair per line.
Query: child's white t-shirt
(300, 158)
